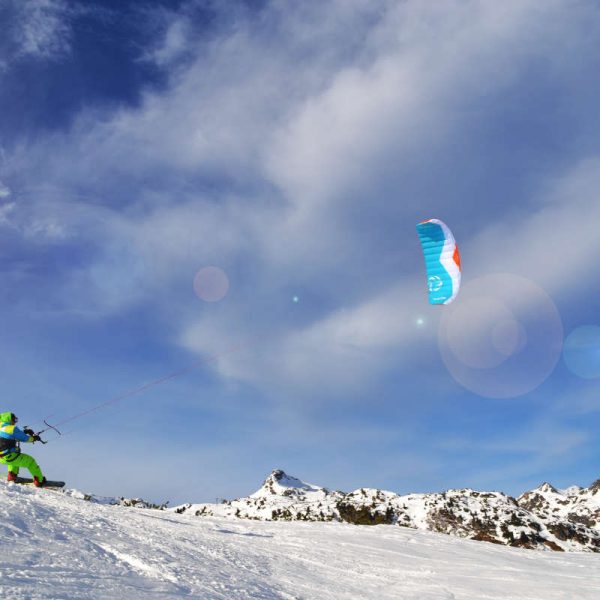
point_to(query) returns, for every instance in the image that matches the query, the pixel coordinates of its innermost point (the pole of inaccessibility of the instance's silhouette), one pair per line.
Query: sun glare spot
(211, 284)
(582, 351)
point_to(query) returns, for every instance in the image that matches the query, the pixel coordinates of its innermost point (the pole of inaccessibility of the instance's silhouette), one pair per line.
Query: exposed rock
(543, 519)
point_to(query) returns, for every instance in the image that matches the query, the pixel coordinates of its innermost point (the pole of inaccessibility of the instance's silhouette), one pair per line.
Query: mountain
(569, 514)
(542, 519)
(58, 545)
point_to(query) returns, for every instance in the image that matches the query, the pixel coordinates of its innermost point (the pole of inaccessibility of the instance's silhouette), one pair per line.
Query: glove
(28, 431)
(36, 438)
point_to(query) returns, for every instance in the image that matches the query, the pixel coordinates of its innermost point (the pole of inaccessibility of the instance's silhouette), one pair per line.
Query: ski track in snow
(58, 547)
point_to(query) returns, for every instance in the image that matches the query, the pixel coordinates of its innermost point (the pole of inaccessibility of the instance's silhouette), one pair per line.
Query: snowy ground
(55, 546)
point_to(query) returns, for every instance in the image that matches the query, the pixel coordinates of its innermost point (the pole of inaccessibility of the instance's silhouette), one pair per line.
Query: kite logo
(435, 283)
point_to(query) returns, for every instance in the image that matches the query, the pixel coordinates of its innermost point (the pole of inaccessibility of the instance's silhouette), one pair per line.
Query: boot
(11, 476)
(38, 483)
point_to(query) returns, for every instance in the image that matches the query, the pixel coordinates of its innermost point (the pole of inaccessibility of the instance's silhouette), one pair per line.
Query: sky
(227, 192)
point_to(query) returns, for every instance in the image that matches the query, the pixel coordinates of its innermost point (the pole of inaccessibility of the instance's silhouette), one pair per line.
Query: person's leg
(26, 461)
(13, 470)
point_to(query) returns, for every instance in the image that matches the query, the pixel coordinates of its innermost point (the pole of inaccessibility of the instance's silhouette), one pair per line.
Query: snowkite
(442, 260)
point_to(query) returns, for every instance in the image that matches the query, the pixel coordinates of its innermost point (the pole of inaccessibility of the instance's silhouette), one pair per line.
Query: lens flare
(211, 284)
(582, 352)
(502, 338)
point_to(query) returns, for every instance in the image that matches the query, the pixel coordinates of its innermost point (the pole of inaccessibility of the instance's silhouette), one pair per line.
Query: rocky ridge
(543, 519)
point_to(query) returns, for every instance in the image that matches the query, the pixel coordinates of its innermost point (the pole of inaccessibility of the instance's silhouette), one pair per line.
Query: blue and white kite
(442, 260)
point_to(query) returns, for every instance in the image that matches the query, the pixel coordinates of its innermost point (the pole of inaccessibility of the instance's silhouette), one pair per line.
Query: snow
(56, 545)
(279, 482)
(572, 490)
(543, 518)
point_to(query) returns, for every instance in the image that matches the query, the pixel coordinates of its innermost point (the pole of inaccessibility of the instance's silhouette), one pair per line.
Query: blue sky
(294, 146)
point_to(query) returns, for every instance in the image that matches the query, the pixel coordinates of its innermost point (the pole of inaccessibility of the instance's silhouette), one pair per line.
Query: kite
(442, 260)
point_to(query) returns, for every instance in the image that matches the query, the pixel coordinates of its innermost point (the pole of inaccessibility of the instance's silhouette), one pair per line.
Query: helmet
(8, 417)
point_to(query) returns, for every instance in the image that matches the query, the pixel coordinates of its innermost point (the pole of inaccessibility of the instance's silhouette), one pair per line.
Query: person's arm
(22, 437)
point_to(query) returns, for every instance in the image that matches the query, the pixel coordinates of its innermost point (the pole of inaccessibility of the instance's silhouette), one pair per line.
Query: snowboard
(48, 484)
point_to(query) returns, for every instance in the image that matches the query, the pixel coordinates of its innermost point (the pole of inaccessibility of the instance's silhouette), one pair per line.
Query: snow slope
(55, 545)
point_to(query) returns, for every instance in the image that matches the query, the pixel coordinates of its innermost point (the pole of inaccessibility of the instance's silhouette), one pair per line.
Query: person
(10, 453)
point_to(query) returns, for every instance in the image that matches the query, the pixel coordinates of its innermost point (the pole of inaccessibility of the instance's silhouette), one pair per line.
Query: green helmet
(7, 417)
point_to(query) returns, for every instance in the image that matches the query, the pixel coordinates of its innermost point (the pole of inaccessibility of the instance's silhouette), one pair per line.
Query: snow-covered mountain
(60, 546)
(576, 504)
(544, 518)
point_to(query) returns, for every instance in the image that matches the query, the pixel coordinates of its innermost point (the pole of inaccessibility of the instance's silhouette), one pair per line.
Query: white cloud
(339, 354)
(48, 222)
(555, 242)
(402, 92)
(47, 230)
(270, 147)
(553, 246)
(5, 211)
(175, 43)
(42, 28)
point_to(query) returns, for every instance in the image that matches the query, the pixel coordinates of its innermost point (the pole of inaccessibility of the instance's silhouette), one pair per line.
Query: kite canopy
(442, 260)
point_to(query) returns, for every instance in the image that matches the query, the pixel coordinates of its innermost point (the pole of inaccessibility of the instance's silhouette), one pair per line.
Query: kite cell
(442, 260)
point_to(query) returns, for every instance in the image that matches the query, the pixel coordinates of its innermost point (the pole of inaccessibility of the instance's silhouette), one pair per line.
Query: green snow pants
(14, 461)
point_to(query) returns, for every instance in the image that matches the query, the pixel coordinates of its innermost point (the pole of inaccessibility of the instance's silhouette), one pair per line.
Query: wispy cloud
(40, 28)
(554, 240)
(5, 210)
(277, 147)
(521, 458)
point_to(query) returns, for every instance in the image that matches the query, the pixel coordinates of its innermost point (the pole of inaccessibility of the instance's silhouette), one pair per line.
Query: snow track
(59, 547)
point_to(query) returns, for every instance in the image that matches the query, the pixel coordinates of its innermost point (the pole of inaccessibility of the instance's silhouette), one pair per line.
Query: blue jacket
(9, 436)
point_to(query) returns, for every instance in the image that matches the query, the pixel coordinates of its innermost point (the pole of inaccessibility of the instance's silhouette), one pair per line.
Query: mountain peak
(279, 483)
(547, 488)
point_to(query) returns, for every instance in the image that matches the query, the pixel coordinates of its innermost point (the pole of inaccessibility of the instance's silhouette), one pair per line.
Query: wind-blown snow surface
(58, 546)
